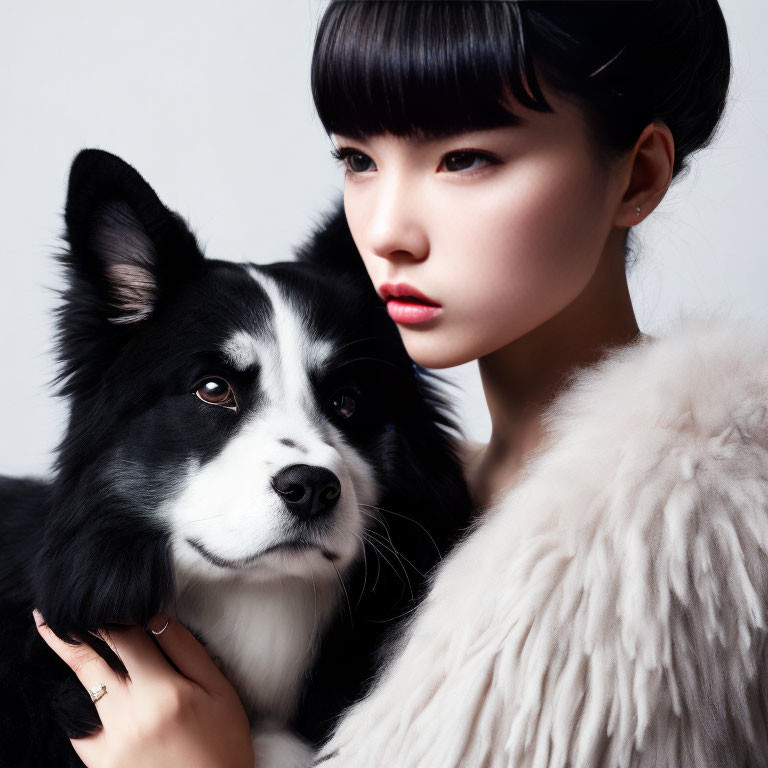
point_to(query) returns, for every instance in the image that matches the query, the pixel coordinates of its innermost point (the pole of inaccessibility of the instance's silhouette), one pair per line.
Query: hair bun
(691, 60)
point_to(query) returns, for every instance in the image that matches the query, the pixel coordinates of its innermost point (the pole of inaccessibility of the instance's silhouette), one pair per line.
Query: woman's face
(502, 228)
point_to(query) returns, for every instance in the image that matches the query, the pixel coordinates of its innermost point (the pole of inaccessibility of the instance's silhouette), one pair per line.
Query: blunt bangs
(421, 69)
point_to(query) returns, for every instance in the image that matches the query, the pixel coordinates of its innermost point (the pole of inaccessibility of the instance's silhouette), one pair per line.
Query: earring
(638, 210)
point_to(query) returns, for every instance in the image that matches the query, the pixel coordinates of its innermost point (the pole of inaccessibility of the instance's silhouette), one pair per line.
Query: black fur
(141, 319)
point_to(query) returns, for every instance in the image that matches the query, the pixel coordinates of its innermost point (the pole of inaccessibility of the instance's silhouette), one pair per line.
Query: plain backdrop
(210, 101)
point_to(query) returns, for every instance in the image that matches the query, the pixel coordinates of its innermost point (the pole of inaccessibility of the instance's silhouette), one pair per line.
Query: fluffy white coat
(610, 610)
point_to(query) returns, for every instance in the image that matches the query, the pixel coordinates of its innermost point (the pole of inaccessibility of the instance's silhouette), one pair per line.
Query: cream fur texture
(610, 610)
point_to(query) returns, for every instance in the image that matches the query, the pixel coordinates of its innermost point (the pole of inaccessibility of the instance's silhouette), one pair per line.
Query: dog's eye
(344, 403)
(216, 391)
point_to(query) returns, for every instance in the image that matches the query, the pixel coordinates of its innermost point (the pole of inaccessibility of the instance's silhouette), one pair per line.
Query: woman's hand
(157, 717)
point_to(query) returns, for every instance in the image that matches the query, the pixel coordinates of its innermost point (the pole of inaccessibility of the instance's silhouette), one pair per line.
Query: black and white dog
(249, 448)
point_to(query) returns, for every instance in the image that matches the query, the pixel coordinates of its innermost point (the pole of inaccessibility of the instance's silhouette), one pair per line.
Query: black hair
(430, 69)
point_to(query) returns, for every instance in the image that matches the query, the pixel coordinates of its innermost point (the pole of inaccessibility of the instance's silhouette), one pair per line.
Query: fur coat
(610, 609)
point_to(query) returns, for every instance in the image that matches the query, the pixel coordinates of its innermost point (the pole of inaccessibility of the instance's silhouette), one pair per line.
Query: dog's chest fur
(263, 636)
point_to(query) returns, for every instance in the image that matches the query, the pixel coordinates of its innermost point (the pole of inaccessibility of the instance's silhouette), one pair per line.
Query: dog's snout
(307, 491)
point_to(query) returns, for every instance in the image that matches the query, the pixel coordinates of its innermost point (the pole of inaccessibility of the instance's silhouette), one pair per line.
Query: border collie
(249, 448)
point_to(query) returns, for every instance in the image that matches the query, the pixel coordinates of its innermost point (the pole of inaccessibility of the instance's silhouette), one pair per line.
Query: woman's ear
(650, 174)
(125, 251)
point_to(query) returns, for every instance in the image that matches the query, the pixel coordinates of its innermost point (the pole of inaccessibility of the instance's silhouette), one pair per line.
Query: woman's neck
(521, 379)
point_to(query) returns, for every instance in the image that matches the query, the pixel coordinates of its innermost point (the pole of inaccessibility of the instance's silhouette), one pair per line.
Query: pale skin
(522, 245)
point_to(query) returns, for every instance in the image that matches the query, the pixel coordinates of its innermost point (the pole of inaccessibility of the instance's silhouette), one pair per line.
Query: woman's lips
(408, 305)
(404, 291)
(410, 313)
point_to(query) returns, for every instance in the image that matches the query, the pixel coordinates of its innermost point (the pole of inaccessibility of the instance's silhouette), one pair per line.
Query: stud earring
(638, 210)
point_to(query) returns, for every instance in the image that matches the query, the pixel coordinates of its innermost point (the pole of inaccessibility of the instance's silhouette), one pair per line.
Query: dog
(249, 448)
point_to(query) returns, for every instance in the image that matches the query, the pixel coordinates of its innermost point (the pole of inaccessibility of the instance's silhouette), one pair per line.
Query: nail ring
(160, 631)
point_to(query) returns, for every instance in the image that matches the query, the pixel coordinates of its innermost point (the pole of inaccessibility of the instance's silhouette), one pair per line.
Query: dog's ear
(122, 237)
(126, 252)
(330, 246)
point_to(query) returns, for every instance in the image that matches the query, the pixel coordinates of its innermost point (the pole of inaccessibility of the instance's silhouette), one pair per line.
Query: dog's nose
(307, 491)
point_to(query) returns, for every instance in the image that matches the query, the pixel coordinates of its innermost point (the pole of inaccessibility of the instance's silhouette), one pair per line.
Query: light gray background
(211, 102)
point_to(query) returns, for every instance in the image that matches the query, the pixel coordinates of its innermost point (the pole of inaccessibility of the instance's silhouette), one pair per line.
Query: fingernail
(39, 620)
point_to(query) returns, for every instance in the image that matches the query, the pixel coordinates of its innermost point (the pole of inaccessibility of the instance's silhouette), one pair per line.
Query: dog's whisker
(365, 567)
(389, 562)
(399, 555)
(346, 595)
(384, 524)
(314, 622)
(375, 518)
(200, 520)
(395, 618)
(384, 544)
(391, 547)
(378, 560)
(410, 519)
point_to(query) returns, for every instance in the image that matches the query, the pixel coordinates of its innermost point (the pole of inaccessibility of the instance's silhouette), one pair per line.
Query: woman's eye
(216, 391)
(344, 404)
(352, 159)
(465, 160)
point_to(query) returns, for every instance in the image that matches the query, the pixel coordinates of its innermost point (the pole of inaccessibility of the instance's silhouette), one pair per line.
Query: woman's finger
(91, 670)
(138, 653)
(191, 658)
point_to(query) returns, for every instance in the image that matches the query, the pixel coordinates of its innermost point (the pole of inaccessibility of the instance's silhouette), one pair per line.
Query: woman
(607, 608)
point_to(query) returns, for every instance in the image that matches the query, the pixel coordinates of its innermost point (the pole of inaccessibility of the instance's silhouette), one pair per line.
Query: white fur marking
(264, 620)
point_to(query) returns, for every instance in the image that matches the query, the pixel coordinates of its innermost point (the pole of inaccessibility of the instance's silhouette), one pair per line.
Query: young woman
(608, 608)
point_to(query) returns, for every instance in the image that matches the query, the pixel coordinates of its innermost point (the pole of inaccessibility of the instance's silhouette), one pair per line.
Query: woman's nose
(397, 226)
